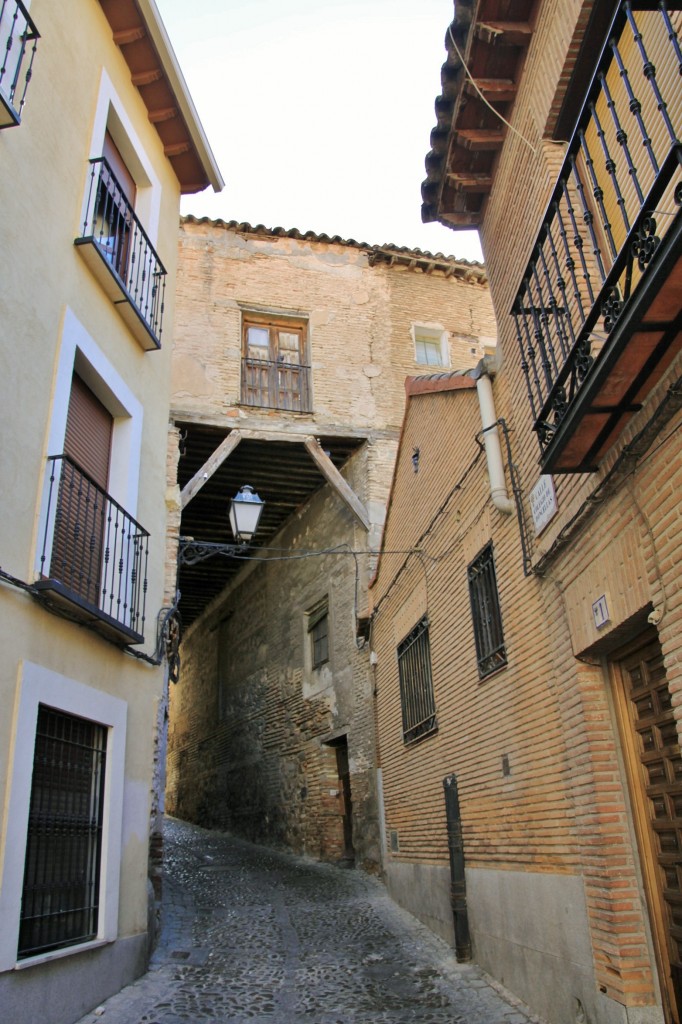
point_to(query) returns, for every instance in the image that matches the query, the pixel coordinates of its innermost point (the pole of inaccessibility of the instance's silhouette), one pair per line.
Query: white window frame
(40, 685)
(434, 334)
(80, 352)
(112, 116)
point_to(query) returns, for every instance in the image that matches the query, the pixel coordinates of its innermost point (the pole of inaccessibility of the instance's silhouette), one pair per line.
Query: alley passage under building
(253, 935)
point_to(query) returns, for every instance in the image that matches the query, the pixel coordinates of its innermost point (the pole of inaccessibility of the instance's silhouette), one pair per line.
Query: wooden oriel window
(275, 370)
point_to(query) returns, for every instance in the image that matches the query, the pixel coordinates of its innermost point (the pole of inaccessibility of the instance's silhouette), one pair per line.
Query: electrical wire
(487, 103)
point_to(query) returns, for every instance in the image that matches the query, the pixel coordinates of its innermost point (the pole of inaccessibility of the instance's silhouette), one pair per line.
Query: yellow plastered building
(98, 139)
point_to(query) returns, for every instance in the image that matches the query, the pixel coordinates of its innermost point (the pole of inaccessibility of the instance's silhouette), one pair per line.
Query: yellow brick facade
(560, 823)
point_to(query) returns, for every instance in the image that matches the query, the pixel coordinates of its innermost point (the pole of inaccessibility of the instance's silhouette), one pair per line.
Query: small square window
(491, 652)
(430, 345)
(318, 630)
(428, 352)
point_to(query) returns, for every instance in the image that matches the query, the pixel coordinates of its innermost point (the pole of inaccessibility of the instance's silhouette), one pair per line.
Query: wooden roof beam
(162, 114)
(480, 138)
(502, 90)
(332, 475)
(504, 33)
(470, 182)
(123, 36)
(147, 77)
(213, 463)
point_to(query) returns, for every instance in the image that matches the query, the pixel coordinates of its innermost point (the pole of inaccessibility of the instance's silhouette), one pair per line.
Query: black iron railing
(111, 224)
(276, 385)
(618, 194)
(93, 549)
(18, 43)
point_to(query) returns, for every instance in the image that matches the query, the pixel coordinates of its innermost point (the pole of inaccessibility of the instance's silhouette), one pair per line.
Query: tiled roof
(452, 380)
(388, 253)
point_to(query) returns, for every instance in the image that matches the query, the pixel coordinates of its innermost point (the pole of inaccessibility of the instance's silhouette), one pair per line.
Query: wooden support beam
(472, 182)
(214, 462)
(123, 36)
(147, 77)
(162, 114)
(480, 138)
(332, 475)
(505, 33)
(176, 148)
(500, 90)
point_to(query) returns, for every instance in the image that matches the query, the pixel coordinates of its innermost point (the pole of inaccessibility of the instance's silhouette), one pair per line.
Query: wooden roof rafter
(486, 44)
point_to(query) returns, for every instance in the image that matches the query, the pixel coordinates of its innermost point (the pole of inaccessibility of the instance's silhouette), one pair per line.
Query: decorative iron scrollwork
(677, 196)
(612, 307)
(645, 242)
(583, 359)
(559, 405)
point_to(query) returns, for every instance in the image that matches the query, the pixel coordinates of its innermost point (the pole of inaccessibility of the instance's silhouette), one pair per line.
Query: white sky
(318, 112)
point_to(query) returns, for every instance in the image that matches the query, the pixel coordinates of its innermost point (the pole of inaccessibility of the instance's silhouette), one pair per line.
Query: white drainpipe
(493, 450)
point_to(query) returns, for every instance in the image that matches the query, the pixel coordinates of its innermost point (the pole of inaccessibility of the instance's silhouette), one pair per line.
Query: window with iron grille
(318, 628)
(485, 610)
(60, 898)
(416, 685)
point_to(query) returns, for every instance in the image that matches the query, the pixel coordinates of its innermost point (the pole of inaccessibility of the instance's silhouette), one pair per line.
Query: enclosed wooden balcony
(18, 42)
(93, 561)
(119, 253)
(598, 311)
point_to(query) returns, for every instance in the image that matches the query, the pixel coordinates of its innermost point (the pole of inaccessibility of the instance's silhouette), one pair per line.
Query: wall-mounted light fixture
(245, 513)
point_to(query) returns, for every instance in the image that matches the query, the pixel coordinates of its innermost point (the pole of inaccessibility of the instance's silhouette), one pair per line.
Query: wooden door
(654, 766)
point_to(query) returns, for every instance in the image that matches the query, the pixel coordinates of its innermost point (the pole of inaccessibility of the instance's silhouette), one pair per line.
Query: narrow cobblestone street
(253, 935)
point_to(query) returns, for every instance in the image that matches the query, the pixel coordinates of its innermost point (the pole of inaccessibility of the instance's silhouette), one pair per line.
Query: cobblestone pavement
(254, 936)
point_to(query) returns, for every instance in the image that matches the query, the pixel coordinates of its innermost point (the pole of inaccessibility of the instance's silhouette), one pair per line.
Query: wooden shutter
(118, 165)
(89, 427)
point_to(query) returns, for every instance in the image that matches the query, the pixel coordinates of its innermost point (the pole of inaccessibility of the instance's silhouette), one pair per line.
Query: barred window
(485, 610)
(416, 684)
(318, 628)
(60, 898)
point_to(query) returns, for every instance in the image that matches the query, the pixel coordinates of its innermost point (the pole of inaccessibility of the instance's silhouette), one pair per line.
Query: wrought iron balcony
(598, 311)
(94, 556)
(18, 42)
(276, 385)
(116, 248)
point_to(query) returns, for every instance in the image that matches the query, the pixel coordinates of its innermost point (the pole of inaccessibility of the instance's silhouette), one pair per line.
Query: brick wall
(621, 541)
(251, 725)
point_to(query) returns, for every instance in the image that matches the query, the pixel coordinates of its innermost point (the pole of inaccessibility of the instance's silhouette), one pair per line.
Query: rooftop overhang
(488, 39)
(140, 34)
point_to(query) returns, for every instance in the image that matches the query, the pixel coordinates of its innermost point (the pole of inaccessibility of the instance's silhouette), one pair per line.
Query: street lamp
(245, 512)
